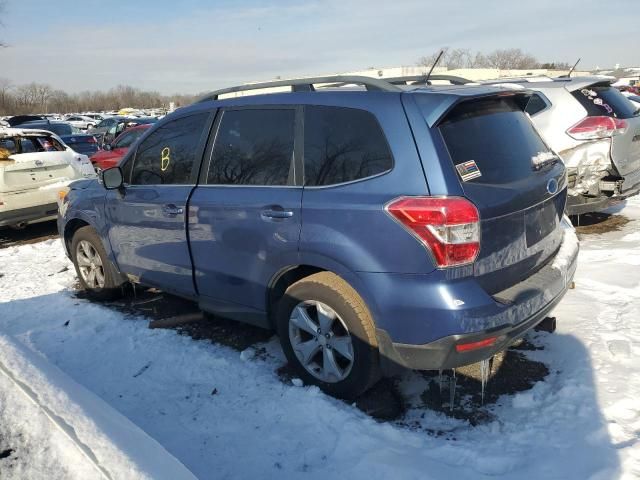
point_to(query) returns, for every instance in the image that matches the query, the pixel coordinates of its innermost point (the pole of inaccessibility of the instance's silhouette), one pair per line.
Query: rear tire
(328, 335)
(97, 275)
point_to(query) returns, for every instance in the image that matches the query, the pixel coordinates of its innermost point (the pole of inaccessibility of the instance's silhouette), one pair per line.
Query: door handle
(171, 210)
(277, 213)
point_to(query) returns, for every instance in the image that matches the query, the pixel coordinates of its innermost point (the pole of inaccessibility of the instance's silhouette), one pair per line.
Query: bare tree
(511, 59)
(5, 97)
(2, 15)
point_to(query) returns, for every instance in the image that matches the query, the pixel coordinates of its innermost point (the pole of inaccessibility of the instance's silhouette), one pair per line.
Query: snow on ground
(228, 415)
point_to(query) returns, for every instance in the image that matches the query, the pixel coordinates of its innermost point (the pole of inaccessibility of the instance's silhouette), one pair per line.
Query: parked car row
(405, 225)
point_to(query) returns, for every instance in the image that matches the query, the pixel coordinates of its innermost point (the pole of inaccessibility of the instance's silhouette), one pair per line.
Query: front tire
(97, 275)
(328, 336)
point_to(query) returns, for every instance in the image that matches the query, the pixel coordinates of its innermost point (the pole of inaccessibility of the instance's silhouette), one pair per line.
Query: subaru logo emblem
(39, 163)
(552, 186)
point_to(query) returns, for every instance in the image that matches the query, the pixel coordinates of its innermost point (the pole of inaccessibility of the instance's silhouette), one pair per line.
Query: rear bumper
(516, 310)
(29, 214)
(580, 204)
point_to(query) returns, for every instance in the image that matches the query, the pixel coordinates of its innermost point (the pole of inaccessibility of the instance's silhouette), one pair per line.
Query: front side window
(253, 147)
(167, 156)
(342, 145)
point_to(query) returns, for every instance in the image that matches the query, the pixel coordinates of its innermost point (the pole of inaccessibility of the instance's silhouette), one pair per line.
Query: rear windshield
(604, 101)
(493, 141)
(57, 128)
(85, 147)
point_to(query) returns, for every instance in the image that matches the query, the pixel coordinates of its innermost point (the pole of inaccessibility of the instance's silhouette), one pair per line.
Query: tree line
(40, 98)
(503, 59)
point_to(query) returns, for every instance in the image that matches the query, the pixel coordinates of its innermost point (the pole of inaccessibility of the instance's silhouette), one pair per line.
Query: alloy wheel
(321, 341)
(90, 265)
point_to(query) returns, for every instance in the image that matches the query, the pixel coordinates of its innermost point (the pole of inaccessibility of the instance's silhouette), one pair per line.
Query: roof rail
(306, 85)
(418, 79)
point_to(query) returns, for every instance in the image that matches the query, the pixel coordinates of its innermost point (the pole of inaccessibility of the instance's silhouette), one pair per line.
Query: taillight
(448, 226)
(91, 140)
(592, 128)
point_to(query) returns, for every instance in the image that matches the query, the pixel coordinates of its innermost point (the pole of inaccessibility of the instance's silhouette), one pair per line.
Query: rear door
(517, 183)
(605, 100)
(244, 218)
(147, 218)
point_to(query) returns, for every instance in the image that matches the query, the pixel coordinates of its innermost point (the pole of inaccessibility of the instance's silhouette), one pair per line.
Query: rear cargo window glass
(167, 155)
(604, 101)
(342, 145)
(535, 105)
(495, 139)
(253, 147)
(7, 147)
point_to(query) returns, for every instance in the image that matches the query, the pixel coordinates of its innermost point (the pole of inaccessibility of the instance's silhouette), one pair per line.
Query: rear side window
(535, 104)
(253, 147)
(167, 155)
(494, 138)
(604, 101)
(342, 145)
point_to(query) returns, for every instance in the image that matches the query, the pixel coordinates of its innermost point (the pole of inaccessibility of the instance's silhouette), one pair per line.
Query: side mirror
(112, 178)
(107, 147)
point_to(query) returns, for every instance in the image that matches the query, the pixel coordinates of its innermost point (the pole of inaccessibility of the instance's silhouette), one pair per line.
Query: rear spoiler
(435, 106)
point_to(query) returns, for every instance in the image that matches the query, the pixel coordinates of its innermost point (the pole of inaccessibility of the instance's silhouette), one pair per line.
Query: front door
(244, 219)
(147, 218)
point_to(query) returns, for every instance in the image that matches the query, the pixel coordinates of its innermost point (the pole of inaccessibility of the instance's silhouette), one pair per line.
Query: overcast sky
(189, 46)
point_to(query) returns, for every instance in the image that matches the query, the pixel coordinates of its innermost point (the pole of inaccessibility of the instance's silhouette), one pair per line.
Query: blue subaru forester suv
(375, 227)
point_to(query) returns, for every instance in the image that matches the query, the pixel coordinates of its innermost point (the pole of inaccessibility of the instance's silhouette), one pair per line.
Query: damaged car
(35, 165)
(596, 130)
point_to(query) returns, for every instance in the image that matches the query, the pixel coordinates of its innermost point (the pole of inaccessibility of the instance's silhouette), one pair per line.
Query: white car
(81, 122)
(35, 166)
(633, 98)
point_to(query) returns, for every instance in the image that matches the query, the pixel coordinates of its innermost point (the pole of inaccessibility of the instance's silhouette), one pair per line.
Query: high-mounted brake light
(593, 128)
(448, 226)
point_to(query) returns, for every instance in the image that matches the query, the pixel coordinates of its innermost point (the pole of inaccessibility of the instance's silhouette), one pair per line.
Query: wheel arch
(293, 273)
(70, 228)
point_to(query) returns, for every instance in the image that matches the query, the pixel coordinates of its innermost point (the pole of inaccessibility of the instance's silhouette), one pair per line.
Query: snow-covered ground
(226, 414)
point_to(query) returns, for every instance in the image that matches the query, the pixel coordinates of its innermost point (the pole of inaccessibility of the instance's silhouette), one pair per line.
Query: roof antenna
(426, 79)
(573, 68)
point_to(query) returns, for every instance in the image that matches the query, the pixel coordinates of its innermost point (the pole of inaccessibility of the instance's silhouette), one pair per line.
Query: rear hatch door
(601, 99)
(34, 170)
(517, 183)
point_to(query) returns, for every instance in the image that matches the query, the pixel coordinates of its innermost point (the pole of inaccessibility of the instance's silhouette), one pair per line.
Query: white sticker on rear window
(468, 170)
